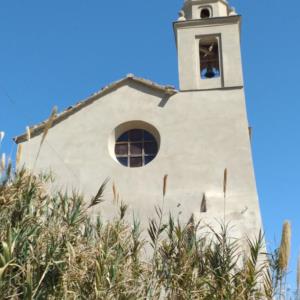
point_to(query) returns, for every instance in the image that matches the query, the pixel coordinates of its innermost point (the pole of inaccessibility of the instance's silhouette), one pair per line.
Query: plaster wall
(201, 134)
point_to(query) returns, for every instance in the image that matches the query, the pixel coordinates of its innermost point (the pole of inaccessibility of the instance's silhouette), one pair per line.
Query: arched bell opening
(205, 13)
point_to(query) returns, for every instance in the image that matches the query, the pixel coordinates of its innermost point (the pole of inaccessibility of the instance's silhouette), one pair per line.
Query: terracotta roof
(39, 128)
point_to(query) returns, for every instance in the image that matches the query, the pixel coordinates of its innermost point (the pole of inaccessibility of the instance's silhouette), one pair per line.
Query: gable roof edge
(37, 129)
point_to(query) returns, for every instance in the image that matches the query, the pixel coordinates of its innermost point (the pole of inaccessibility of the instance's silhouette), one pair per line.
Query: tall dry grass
(51, 249)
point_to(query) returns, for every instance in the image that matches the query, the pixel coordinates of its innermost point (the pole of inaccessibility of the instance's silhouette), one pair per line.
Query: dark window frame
(127, 138)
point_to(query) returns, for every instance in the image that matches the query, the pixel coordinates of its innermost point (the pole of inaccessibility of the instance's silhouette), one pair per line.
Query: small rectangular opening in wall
(209, 53)
(203, 208)
(250, 132)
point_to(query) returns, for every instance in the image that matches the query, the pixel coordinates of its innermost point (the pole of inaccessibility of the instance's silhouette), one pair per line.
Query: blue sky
(58, 52)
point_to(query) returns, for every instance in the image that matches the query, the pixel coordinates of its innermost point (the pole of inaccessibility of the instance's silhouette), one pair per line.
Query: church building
(135, 131)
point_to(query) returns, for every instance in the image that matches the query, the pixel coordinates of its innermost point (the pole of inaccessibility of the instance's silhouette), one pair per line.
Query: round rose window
(136, 148)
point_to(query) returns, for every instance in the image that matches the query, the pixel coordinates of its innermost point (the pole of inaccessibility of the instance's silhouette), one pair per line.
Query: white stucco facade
(201, 130)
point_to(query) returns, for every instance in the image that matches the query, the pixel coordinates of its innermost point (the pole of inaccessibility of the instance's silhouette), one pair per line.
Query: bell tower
(211, 86)
(208, 43)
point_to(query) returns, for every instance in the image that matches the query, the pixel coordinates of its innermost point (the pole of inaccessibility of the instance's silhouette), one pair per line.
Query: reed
(165, 183)
(2, 134)
(115, 194)
(98, 198)
(49, 124)
(50, 248)
(19, 154)
(285, 247)
(283, 258)
(28, 133)
(225, 183)
(3, 162)
(224, 194)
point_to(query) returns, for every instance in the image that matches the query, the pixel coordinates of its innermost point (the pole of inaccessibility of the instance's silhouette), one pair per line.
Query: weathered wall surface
(202, 133)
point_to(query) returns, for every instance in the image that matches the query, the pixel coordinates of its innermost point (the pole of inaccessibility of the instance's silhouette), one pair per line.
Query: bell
(210, 73)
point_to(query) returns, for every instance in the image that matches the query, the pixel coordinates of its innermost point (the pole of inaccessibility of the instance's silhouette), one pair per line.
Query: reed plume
(285, 247)
(165, 185)
(2, 134)
(225, 183)
(115, 194)
(28, 133)
(99, 196)
(3, 162)
(224, 193)
(49, 124)
(19, 154)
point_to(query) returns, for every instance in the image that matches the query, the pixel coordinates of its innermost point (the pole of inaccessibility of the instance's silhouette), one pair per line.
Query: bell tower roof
(204, 9)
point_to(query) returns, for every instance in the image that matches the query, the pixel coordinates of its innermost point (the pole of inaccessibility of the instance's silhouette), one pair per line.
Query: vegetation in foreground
(51, 249)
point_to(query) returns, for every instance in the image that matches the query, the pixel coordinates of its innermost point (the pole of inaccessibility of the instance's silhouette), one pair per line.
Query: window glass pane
(136, 135)
(148, 136)
(121, 149)
(136, 148)
(150, 148)
(123, 137)
(136, 162)
(148, 159)
(123, 161)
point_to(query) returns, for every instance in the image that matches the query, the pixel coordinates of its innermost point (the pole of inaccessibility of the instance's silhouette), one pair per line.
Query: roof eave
(39, 128)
